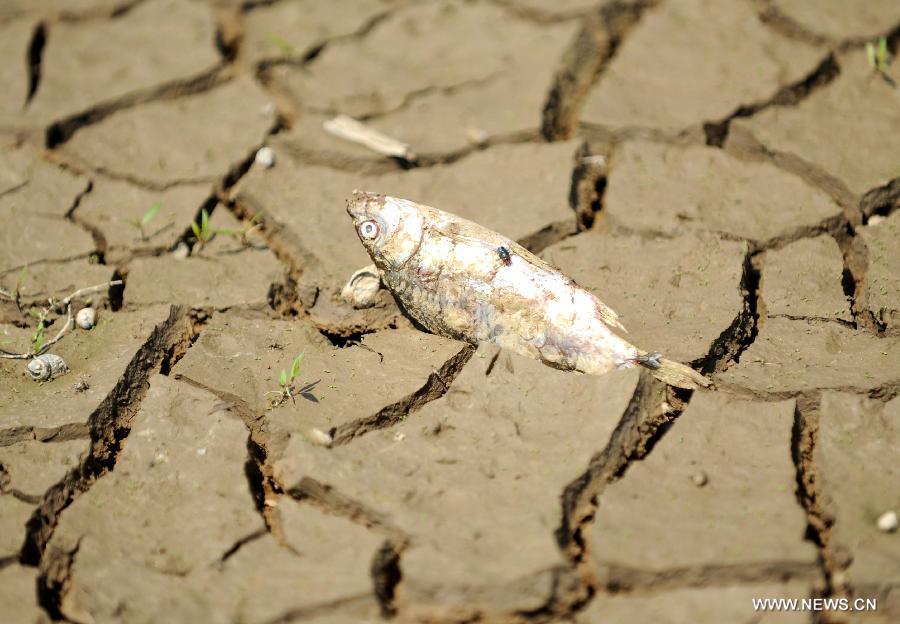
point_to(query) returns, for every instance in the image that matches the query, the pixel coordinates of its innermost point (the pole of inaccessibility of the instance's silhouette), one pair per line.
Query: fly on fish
(461, 280)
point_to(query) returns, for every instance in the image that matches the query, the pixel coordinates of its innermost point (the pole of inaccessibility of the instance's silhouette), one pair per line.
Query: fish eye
(368, 229)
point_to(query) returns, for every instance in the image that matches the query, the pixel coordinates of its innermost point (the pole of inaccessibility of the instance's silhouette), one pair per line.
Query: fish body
(464, 281)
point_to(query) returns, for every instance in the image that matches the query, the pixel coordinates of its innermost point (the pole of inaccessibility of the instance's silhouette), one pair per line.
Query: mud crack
(825, 72)
(34, 60)
(109, 426)
(804, 436)
(62, 130)
(726, 350)
(633, 436)
(435, 387)
(260, 476)
(881, 201)
(584, 62)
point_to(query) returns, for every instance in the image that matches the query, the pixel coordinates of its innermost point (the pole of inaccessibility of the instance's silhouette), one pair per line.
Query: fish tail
(672, 372)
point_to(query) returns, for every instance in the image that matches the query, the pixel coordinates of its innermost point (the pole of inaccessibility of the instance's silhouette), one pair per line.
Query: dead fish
(47, 366)
(463, 281)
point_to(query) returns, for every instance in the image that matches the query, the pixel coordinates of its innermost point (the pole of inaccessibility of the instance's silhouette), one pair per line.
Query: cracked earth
(725, 175)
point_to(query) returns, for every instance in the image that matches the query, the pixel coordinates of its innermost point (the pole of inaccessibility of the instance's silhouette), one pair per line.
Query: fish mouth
(364, 205)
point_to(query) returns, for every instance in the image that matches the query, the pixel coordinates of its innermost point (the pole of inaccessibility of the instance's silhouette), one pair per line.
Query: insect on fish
(461, 280)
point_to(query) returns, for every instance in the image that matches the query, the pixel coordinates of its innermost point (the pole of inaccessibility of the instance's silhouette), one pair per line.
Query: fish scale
(463, 281)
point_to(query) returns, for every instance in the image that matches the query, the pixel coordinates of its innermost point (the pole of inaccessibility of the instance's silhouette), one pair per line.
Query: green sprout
(879, 58)
(286, 383)
(203, 233)
(243, 233)
(15, 295)
(143, 221)
(282, 45)
(37, 338)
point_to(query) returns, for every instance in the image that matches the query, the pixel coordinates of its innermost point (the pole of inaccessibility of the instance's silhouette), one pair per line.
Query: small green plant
(143, 221)
(242, 234)
(202, 232)
(15, 295)
(282, 45)
(286, 384)
(879, 58)
(37, 338)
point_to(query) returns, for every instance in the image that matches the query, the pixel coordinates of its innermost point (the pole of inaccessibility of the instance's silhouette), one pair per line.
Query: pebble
(266, 157)
(477, 136)
(317, 436)
(86, 318)
(875, 220)
(399, 436)
(887, 522)
(181, 251)
(699, 478)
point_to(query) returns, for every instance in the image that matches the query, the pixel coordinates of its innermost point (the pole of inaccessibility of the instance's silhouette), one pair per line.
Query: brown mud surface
(725, 175)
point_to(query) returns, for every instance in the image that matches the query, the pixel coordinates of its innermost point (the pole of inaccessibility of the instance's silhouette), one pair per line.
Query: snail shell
(47, 366)
(86, 318)
(362, 289)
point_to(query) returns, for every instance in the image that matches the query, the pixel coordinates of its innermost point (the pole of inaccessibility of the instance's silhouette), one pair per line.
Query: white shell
(887, 522)
(46, 367)
(86, 318)
(266, 157)
(362, 289)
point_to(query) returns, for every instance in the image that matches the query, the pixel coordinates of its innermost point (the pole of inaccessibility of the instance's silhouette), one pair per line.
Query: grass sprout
(140, 223)
(286, 384)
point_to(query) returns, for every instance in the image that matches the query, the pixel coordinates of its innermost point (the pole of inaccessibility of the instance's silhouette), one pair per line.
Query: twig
(87, 291)
(350, 129)
(70, 321)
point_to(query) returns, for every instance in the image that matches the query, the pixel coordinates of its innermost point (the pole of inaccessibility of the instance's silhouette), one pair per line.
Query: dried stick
(352, 130)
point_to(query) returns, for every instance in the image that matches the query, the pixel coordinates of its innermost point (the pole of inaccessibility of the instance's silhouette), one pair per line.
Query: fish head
(390, 229)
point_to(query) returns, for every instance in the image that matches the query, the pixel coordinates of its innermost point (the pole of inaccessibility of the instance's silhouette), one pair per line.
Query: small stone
(699, 478)
(399, 436)
(875, 220)
(81, 385)
(86, 318)
(887, 522)
(317, 436)
(181, 251)
(201, 451)
(266, 157)
(477, 136)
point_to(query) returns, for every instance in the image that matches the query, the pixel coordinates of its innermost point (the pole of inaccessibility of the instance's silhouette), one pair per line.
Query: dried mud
(724, 175)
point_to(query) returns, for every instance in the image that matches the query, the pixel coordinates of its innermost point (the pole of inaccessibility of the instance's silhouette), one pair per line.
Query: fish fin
(609, 316)
(673, 373)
